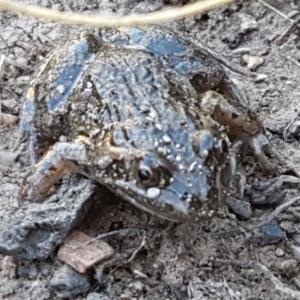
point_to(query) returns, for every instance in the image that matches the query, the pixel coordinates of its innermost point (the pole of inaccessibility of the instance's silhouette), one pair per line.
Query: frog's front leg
(242, 125)
(61, 159)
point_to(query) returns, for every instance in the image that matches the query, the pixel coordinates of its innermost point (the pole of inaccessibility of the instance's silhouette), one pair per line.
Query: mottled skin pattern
(139, 122)
(182, 55)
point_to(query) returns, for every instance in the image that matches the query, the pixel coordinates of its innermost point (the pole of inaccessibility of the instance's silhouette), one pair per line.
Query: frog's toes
(264, 152)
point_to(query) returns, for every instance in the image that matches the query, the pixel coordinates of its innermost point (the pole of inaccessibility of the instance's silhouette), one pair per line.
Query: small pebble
(279, 252)
(241, 209)
(67, 283)
(125, 297)
(289, 82)
(288, 268)
(253, 62)
(8, 119)
(13, 160)
(268, 192)
(260, 78)
(136, 287)
(268, 234)
(96, 296)
(9, 267)
(248, 23)
(81, 256)
(29, 271)
(241, 51)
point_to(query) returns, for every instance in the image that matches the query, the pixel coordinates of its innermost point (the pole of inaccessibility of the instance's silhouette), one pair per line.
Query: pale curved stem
(112, 20)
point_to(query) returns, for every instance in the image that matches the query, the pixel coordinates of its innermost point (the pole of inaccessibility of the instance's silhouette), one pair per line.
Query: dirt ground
(221, 259)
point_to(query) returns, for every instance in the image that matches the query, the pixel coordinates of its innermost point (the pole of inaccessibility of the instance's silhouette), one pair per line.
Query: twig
(112, 21)
(133, 255)
(229, 64)
(277, 283)
(2, 65)
(2, 68)
(287, 30)
(278, 12)
(120, 233)
(17, 64)
(274, 214)
(136, 251)
(255, 264)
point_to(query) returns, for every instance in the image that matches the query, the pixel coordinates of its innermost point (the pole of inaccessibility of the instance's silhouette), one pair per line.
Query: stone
(9, 267)
(47, 224)
(78, 253)
(268, 234)
(269, 192)
(253, 62)
(67, 283)
(248, 23)
(241, 209)
(96, 296)
(279, 252)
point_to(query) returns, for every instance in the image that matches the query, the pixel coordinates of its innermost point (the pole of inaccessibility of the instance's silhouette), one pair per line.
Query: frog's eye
(147, 176)
(152, 170)
(145, 173)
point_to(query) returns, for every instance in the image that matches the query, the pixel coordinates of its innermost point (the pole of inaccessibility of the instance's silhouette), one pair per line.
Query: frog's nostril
(186, 196)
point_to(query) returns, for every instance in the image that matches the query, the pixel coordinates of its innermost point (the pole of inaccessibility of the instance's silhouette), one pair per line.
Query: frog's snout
(190, 200)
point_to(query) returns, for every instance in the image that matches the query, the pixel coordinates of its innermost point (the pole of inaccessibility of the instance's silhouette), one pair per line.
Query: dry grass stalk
(112, 21)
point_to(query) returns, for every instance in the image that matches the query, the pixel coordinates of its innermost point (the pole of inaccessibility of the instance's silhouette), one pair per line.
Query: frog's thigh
(58, 161)
(242, 123)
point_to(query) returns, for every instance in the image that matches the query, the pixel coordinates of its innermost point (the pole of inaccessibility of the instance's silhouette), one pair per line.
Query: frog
(147, 125)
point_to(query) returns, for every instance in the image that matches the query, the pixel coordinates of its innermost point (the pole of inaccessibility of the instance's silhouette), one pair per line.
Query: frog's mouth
(167, 203)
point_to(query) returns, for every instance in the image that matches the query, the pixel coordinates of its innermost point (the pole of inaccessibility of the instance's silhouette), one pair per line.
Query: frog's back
(133, 97)
(78, 91)
(127, 94)
(136, 123)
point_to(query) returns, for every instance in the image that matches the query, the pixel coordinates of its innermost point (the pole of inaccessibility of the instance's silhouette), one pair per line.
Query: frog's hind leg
(242, 124)
(58, 161)
(261, 146)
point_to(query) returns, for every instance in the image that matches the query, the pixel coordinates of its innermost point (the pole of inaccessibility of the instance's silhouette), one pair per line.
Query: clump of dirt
(227, 258)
